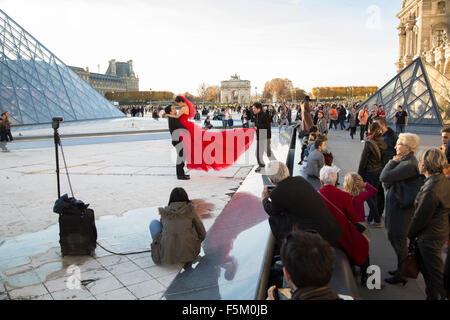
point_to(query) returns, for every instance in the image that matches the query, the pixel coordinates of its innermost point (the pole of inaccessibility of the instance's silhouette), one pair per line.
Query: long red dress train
(217, 150)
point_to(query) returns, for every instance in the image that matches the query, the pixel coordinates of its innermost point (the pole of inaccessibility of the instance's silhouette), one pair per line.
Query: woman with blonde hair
(360, 192)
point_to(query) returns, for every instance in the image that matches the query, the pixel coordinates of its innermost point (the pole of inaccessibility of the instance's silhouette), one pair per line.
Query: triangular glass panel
(419, 104)
(37, 86)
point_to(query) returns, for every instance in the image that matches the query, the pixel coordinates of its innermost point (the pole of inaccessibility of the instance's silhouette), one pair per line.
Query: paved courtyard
(125, 182)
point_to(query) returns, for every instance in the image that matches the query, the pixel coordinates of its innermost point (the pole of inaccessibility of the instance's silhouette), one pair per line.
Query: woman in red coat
(339, 203)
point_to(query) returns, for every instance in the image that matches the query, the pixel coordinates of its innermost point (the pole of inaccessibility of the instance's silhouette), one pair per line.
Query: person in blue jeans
(372, 161)
(178, 236)
(400, 120)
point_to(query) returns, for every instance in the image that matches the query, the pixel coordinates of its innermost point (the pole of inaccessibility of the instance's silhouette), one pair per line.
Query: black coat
(295, 202)
(373, 157)
(262, 121)
(397, 220)
(391, 139)
(432, 208)
(175, 124)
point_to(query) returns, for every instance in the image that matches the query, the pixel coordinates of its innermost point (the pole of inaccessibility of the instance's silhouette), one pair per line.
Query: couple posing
(217, 150)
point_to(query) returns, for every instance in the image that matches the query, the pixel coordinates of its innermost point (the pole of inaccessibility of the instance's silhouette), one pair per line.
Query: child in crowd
(306, 141)
(360, 192)
(322, 124)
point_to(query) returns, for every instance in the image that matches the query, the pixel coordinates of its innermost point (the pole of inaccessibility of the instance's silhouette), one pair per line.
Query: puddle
(33, 258)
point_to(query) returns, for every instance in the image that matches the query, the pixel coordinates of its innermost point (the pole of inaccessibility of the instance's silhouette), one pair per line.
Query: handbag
(410, 265)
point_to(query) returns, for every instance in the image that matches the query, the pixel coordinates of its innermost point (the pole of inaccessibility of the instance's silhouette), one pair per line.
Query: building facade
(235, 90)
(119, 77)
(424, 32)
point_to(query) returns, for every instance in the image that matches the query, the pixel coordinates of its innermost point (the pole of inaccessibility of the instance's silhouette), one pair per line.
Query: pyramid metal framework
(35, 85)
(410, 89)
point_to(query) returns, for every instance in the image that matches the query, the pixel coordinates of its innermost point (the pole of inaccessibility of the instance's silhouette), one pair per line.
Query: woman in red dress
(206, 150)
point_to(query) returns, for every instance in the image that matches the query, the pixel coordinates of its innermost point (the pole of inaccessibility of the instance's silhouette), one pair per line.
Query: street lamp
(256, 93)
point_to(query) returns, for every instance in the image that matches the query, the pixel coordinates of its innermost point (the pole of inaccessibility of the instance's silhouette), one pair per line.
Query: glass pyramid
(412, 90)
(36, 86)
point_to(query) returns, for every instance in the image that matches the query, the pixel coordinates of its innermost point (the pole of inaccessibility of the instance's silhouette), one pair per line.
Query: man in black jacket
(390, 137)
(294, 202)
(174, 124)
(263, 135)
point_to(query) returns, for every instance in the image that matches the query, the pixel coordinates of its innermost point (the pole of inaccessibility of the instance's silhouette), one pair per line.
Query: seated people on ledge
(177, 238)
(294, 202)
(316, 160)
(308, 263)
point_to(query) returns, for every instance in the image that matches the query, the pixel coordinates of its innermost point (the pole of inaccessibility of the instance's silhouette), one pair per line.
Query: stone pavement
(124, 183)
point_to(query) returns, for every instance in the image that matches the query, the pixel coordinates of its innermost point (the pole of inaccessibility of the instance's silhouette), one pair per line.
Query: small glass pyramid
(411, 90)
(36, 86)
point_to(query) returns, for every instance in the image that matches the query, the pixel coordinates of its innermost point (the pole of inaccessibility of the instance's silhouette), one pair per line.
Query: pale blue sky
(177, 44)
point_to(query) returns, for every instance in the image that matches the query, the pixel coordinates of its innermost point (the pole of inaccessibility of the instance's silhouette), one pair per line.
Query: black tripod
(57, 140)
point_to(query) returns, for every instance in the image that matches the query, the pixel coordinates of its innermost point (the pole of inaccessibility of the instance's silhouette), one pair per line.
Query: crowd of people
(408, 194)
(413, 194)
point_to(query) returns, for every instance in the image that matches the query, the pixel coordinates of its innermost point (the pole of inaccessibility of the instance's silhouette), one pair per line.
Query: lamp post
(256, 93)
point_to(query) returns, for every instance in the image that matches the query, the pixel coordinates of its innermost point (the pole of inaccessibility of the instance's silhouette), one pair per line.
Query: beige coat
(181, 237)
(307, 121)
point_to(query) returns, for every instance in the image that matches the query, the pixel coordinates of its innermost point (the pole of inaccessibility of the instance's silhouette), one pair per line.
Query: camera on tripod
(56, 121)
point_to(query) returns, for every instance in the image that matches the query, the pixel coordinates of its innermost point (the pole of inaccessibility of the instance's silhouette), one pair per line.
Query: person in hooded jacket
(177, 238)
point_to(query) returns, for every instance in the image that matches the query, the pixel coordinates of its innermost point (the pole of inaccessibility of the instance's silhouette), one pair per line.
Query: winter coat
(432, 208)
(391, 139)
(307, 121)
(373, 156)
(322, 125)
(263, 123)
(397, 220)
(294, 201)
(181, 236)
(3, 130)
(351, 120)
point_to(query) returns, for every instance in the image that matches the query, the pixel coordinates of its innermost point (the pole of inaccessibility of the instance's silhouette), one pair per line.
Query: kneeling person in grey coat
(177, 238)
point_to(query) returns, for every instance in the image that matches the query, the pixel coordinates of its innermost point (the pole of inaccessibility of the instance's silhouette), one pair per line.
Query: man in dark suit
(174, 124)
(263, 135)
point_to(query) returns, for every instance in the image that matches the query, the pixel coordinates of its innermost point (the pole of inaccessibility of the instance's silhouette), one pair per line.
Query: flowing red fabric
(217, 150)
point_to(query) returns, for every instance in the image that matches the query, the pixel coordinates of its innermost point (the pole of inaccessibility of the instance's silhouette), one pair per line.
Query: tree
(201, 92)
(282, 87)
(212, 93)
(190, 97)
(298, 94)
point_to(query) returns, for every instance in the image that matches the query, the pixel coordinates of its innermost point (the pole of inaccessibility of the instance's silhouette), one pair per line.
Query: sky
(176, 45)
